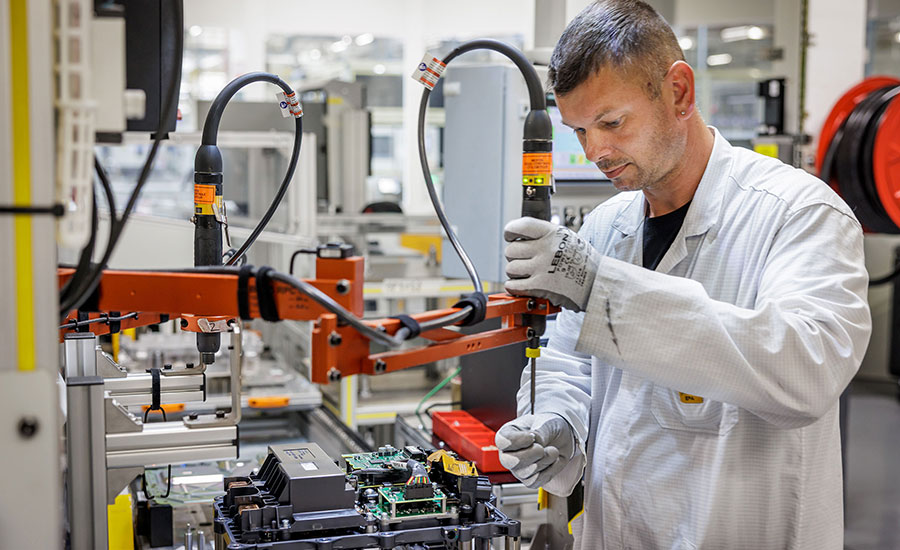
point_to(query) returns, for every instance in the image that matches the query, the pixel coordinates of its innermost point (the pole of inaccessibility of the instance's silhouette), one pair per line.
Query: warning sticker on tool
(537, 163)
(429, 71)
(204, 194)
(215, 208)
(289, 105)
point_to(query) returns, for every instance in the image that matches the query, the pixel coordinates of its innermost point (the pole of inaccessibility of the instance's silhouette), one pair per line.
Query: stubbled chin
(624, 185)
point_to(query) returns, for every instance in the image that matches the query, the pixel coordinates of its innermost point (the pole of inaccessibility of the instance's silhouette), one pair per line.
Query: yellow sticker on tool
(540, 179)
(208, 209)
(688, 398)
(204, 194)
(532, 353)
(534, 164)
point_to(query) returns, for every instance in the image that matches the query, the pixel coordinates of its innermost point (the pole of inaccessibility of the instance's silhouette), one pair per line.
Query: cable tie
(244, 291)
(80, 322)
(478, 302)
(429, 71)
(114, 321)
(409, 323)
(154, 392)
(56, 210)
(265, 295)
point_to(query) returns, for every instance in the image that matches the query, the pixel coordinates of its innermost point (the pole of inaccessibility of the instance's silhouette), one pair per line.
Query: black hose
(87, 254)
(217, 108)
(535, 91)
(79, 293)
(107, 189)
(279, 195)
(211, 131)
(538, 103)
(344, 315)
(435, 201)
(886, 279)
(105, 320)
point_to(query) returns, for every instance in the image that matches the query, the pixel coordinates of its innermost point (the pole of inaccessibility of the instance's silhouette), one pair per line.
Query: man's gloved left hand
(536, 447)
(549, 261)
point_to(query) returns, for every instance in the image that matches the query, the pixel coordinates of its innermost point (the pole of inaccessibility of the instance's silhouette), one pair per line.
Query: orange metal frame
(337, 350)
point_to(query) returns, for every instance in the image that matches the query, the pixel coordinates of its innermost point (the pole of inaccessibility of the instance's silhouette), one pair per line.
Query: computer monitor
(569, 162)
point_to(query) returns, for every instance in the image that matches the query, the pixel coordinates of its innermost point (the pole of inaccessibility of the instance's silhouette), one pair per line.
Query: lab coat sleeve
(563, 387)
(787, 360)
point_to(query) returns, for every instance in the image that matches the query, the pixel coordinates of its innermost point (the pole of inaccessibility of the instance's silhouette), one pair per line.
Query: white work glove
(536, 447)
(549, 261)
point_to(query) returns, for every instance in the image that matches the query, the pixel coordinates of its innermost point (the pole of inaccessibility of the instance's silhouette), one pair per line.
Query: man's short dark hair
(624, 34)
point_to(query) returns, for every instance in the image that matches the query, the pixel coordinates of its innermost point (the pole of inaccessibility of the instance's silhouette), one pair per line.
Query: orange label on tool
(204, 194)
(537, 163)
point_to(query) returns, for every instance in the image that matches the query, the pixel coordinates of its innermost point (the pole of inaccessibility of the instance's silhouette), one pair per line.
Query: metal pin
(534, 343)
(533, 382)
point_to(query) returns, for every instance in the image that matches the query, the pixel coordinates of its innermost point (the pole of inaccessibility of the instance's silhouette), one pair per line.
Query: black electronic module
(408, 499)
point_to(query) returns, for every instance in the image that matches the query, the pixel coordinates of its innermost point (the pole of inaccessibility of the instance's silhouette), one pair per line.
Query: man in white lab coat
(714, 312)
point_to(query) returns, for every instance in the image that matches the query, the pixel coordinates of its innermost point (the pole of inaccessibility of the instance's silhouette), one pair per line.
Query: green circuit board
(380, 459)
(393, 503)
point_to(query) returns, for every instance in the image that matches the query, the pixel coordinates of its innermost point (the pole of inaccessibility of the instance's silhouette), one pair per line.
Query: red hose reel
(859, 152)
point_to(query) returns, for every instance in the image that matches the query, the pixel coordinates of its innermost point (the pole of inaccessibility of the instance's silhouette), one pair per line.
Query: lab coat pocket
(680, 411)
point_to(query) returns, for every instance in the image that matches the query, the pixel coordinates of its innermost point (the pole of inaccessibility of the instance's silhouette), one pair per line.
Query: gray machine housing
(485, 109)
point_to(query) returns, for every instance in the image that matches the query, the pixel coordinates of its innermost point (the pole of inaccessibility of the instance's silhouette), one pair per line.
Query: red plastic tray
(466, 435)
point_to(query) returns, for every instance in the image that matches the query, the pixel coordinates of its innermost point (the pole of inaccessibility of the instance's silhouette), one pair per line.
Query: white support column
(415, 194)
(29, 398)
(788, 39)
(836, 57)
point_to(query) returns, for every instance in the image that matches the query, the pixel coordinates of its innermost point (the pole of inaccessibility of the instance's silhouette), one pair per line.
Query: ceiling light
(365, 39)
(379, 69)
(686, 42)
(338, 46)
(195, 30)
(315, 54)
(756, 33)
(718, 59)
(743, 32)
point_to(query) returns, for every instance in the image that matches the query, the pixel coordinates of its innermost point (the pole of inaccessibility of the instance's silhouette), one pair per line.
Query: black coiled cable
(849, 160)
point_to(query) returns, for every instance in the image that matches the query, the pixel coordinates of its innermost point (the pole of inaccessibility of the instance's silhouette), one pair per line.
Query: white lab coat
(759, 308)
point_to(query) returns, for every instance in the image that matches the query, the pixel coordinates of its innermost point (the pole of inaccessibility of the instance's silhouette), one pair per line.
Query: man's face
(633, 139)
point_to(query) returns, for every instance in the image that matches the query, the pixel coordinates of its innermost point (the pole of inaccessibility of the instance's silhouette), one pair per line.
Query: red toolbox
(466, 435)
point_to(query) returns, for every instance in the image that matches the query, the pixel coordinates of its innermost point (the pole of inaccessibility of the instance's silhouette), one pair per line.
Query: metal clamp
(234, 416)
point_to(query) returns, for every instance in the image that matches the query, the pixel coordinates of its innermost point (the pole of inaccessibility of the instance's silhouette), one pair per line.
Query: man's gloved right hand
(536, 447)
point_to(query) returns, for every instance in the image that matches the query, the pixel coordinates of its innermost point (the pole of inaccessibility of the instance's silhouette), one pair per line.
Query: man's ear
(679, 80)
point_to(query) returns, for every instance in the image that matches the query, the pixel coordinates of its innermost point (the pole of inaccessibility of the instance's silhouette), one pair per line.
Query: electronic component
(300, 499)
(418, 485)
(397, 503)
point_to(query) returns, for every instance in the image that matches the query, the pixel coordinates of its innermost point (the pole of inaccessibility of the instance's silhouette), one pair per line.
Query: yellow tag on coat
(688, 398)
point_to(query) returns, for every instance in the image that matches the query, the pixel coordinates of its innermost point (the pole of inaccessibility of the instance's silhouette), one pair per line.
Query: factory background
(141, 412)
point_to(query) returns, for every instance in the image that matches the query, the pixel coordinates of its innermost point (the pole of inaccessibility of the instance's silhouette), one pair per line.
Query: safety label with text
(429, 71)
(289, 105)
